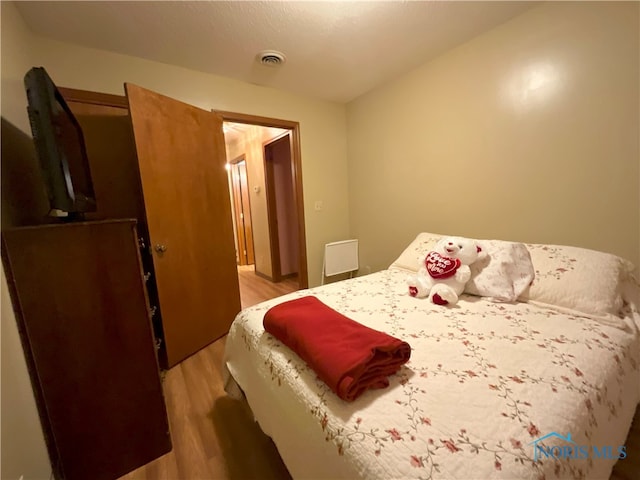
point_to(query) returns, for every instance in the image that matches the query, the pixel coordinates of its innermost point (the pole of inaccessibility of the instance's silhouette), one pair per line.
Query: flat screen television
(60, 147)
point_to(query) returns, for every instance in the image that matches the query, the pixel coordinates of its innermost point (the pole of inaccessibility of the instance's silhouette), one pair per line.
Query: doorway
(271, 185)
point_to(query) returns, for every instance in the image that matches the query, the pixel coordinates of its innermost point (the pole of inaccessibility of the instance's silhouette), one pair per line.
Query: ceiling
(335, 50)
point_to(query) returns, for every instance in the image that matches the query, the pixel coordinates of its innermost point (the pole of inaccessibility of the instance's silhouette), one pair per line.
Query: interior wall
(322, 123)
(23, 451)
(529, 132)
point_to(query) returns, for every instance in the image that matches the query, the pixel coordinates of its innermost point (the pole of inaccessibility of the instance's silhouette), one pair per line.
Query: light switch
(318, 205)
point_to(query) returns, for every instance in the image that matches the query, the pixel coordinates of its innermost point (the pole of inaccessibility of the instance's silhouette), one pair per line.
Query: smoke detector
(271, 58)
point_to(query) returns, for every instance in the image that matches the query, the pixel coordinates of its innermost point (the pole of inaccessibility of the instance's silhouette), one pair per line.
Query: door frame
(296, 166)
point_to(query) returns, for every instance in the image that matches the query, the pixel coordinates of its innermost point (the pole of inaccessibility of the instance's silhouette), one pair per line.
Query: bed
(527, 380)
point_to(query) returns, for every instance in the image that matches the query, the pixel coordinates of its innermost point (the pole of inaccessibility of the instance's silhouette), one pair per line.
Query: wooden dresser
(84, 321)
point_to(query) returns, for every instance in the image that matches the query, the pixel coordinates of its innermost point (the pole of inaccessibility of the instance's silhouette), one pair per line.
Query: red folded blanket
(346, 355)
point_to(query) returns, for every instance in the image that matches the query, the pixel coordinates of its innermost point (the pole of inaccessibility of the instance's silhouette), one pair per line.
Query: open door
(181, 157)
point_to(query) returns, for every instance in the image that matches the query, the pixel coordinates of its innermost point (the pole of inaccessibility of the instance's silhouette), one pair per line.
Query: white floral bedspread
(485, 381)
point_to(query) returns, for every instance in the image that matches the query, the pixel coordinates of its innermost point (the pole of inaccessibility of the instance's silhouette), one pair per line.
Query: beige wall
(528, 132)
(22, 441)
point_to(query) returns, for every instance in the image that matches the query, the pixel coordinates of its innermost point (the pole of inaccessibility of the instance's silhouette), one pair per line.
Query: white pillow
(412, 258)
(502, 276)
(578, 280)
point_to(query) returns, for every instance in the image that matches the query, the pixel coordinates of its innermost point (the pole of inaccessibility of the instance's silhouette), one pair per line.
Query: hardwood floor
(214, 436)
(255, 289)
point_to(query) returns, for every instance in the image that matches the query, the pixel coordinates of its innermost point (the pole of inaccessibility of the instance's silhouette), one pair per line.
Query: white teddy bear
(445, 270)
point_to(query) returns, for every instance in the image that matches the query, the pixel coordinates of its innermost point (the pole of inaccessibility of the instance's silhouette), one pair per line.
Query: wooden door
(242, 208)
(181, 157)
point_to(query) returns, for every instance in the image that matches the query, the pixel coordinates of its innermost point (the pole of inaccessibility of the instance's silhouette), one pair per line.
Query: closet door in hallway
(242, 209)
(181, 158)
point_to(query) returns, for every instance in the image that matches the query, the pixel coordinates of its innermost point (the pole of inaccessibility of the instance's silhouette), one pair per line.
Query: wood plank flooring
(255, 289)
(215, 437)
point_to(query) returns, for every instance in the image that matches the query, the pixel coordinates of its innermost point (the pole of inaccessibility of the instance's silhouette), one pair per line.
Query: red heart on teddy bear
(439, 266)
